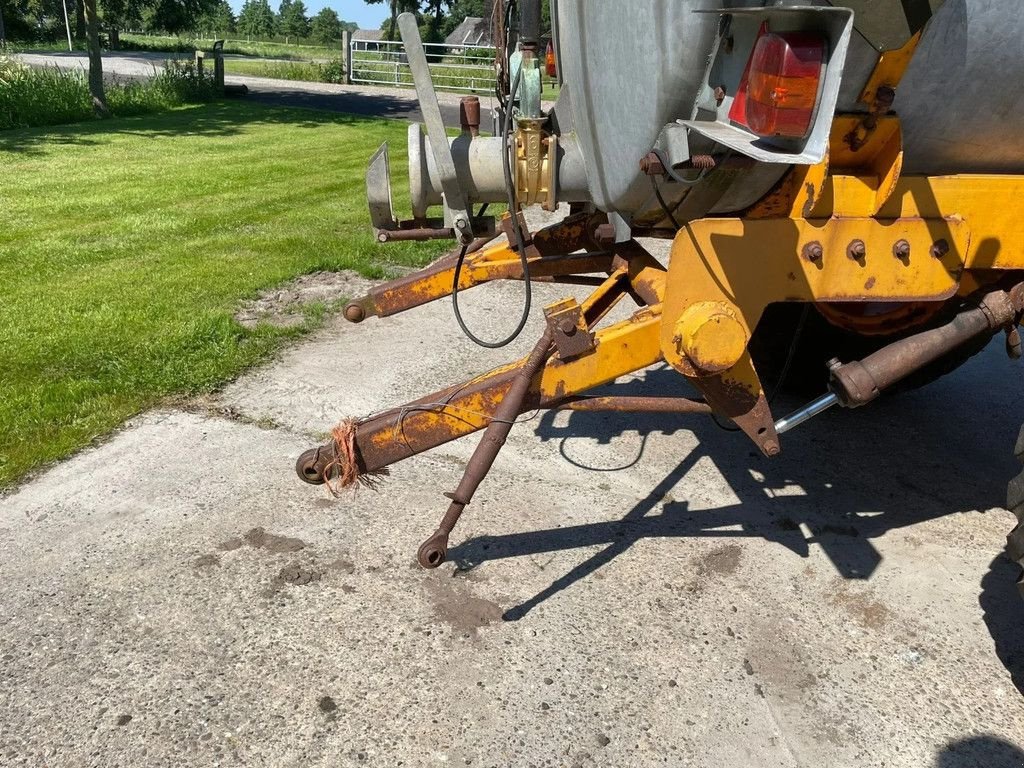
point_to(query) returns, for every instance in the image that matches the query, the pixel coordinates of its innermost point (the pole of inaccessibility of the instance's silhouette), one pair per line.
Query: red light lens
(549, 61)
(779, 88)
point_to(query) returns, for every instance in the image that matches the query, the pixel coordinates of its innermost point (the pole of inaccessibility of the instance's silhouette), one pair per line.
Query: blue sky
(366, 16)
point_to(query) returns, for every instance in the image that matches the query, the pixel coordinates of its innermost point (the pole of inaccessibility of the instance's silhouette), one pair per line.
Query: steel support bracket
(568, 328)
(724, 272)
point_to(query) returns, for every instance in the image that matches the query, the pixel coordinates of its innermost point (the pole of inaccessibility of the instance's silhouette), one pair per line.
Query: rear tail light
(550, 64)
(779, 88)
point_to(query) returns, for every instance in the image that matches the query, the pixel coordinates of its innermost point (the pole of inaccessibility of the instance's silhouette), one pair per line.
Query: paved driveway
(354, 99)
(644, 591)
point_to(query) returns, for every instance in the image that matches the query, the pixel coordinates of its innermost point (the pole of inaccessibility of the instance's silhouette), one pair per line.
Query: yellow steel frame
(922, 239)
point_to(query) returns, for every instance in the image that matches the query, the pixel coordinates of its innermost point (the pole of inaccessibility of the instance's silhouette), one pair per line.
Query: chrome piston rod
(809, 411)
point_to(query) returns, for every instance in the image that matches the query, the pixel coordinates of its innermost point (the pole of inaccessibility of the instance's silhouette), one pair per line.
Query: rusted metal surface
(646, 274)
(704, 162)
(651, 165)
(634, 404)
(568, 329)
(388, 437)
(1013, 343)
(469, 115)
(859, 382)
(434, 550)
(732, 394)
(547, 252)
(879, 318)
(880, 90)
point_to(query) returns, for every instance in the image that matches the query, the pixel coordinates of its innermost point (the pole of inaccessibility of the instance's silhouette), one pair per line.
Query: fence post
(218, 65)
(346, 45)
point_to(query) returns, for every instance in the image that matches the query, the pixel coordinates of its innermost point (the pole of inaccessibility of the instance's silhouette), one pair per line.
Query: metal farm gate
(465, 68)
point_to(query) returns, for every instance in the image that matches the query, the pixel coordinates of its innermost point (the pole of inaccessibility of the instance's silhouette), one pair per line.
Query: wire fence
(466, 68)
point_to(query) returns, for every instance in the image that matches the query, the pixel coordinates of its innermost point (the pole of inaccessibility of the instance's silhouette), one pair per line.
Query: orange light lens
(779, 89)
(549, 61)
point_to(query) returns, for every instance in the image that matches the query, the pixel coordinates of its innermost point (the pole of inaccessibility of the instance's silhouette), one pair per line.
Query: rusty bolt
(901, 249)
(940, 248)
(651, 165)
(884, 96)
(771, 448)
(567, 326)
(719, 94)
(355, 313)
(856, 250)
(813, 251)
(382, 237)
(604, 234)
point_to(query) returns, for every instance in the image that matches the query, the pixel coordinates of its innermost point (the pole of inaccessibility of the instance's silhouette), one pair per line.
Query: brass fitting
(535, 164)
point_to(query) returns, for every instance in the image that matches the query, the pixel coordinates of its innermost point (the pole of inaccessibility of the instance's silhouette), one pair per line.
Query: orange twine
(344, 467)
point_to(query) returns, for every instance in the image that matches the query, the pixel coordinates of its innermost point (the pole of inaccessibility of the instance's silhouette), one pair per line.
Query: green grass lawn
(231, 45)
(126, 244)
(305, 71)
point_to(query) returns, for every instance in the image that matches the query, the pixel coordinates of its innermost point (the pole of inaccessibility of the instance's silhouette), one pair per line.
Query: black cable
(517, 231)
(791, 354)
(664, 205)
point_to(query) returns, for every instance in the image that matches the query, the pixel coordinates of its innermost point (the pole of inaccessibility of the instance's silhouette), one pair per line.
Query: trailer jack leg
(434, 550)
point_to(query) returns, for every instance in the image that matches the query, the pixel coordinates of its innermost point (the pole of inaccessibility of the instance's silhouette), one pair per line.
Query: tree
(256, 19)
(92, 28)
(326, 27)
(216, 21)
(292, 19)
(176, 16)
(118, 15)
(79, 20)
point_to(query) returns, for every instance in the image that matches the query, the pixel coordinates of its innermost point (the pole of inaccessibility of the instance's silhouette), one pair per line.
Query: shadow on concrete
(848, 477)
(980, 752)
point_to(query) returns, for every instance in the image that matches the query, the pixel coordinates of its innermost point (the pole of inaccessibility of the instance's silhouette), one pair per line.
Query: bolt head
(901, 249)
(568, 327)
(813, 251)
(856, 250)
(940, 248)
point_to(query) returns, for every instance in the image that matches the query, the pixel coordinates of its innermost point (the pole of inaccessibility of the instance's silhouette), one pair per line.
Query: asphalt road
(353, 99)
(632, 591)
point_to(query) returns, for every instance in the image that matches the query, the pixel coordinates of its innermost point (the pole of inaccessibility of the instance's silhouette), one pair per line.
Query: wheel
(1015, 503)
(308, 468)
(821, 339)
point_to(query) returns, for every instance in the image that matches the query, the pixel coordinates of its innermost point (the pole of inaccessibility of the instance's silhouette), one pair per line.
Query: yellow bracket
(724, 272)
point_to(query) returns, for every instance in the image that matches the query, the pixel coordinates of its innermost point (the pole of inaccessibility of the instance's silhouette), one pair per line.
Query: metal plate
(889, 24)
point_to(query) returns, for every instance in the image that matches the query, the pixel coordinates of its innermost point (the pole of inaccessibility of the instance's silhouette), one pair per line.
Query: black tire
(820, 341)
(1015, 503)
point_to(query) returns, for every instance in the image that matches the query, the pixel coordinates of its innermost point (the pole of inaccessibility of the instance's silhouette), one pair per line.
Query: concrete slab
(634, 590)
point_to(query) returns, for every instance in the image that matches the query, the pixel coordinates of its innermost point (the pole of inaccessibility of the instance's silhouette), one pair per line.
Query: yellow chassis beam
(927, 240)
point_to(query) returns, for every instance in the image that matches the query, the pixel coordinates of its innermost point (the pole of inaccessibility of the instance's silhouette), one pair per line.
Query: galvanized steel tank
(629, 68)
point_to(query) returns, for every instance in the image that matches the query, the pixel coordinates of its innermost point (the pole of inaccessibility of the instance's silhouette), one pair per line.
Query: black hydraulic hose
(516, 230)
